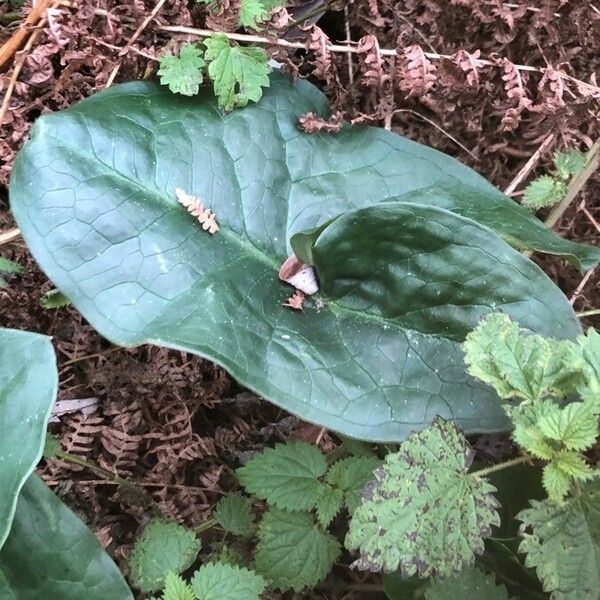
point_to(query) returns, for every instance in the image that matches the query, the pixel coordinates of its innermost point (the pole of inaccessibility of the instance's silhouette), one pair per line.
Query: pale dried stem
(588, 214)
(581, 286)
(529, 165)
(348, 40)
(10, 236)
(257, 39)
(15, 74)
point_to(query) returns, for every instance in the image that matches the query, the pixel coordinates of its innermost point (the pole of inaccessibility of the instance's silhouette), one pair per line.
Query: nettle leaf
(255, 12)
(588, 351)
(471, 584)
(575, 426)
(424, 513)
(543, 192)
(28, 385)
(329, 503)
(238, 73)
(234, 513)
(562, 542)
(221, 581)
(176, 588)
(351, 475)
(568, 164)
(286, 476)
(183, 73)
(518, 364)
(162, 547)
(104, 223)
(50, 554)
(293, 552)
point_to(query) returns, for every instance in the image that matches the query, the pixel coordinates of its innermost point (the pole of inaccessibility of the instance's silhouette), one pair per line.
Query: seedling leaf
(176, 588)
(423, 513)
(293, 552)
(329, 504)
(238, 73)
(183, 73)
(286, 476)
(569, 164)
(234, 513)
(163, 547)
(221, 581)
(351, 475)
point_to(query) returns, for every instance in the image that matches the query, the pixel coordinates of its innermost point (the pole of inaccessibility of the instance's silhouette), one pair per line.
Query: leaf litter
(177, 423)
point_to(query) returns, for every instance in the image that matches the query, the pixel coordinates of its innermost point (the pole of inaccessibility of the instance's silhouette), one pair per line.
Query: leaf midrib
(236, 238)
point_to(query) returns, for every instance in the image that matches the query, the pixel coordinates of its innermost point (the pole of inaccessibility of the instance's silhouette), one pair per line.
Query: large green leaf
(94, 195)
(50, 554)
(28, 382)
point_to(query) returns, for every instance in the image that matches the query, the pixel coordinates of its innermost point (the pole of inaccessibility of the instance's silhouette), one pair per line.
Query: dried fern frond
(196, 208)
(295, 301)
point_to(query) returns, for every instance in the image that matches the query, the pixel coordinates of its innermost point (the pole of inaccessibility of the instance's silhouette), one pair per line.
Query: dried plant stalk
(196, 208)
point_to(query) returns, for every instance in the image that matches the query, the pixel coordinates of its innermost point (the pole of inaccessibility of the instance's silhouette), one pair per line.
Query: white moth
(300, 275)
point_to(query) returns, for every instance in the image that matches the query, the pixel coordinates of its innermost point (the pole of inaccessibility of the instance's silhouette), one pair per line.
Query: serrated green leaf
(569, 164)
(234, 513)
(176, 588)
(140, 269)
(293, 552)
(286, 476)
(351, 475)
(526, 429)
(221, 581)
(255, 12)
(238, 73)
(28, 384)
(183, 73)
(329, 504)
(575, 426)
(587, 351)
(543, 192)
(562, 542)
(471, 584)
(51, 555)
(424, 513)
(516, 363)
(162, 547)
(54, 299)
(556, 482)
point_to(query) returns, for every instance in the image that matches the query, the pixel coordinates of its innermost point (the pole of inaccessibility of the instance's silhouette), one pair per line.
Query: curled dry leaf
(300, 275)
(196, 208)
(312, 123)
(373, 71)
(516, 92)
(295, 301)
(415, 73)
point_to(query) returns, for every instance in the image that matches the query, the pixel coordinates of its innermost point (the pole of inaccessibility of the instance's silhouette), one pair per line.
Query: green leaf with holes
(377, 353)
(28, 383)
(51, 554)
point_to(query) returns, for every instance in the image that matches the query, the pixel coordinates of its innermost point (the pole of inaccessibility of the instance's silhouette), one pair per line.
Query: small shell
(300, 275)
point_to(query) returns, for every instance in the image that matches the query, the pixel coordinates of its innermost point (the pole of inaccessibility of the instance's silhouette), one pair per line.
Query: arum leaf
(103, 222)
(28, 383)
(51, 554)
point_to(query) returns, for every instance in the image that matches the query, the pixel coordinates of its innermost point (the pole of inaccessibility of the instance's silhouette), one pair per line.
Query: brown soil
(178, 424)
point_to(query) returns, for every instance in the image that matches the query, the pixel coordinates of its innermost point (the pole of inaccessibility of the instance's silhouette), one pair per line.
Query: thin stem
(504, 465)
(205, 526)
(95, 468)
(588, 313)
(10, 236)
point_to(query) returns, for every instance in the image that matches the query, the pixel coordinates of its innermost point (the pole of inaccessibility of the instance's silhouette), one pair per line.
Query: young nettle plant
(289, 548)
(427, 512)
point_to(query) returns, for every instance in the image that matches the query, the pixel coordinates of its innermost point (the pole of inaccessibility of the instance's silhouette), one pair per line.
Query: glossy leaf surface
(51, 554)
(94, 194)
(28, 382)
